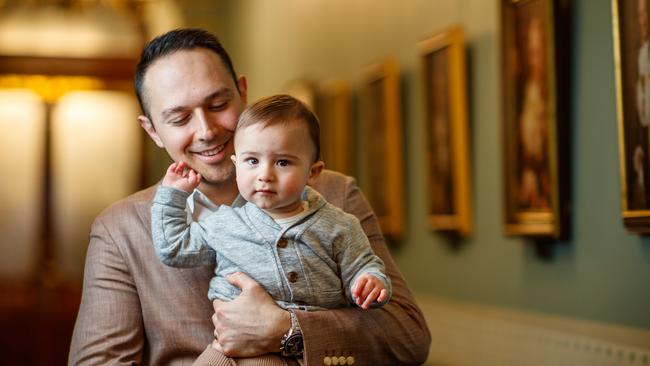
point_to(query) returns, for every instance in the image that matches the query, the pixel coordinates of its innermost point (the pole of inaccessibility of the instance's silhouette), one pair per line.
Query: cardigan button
(327, 361)
(292, 276)
(282, 243)
(350, 360)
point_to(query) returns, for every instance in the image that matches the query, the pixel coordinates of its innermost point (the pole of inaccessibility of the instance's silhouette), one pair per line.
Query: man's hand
(250, 325)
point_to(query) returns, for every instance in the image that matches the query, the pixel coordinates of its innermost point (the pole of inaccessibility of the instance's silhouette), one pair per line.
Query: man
(135, 310)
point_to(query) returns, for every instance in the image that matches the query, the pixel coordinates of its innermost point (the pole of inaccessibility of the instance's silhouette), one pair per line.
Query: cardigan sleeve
(177, 242)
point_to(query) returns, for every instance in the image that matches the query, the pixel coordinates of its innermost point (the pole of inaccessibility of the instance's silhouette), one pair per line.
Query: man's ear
(315, 171)
(242, 85)
(147, 125)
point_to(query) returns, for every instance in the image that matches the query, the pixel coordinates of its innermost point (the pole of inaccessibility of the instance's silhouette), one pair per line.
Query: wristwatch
(291, 344)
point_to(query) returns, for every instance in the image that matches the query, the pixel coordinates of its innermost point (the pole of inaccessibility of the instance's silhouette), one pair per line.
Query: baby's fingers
(382, 295)
(172, 169)
(358, 286)
(370, 298)
(179, 168)
(193, 177)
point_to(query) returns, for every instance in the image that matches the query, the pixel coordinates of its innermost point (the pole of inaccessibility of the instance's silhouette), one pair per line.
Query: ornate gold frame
(334, 107)
(381, 165)
(455, 213)
(544, 212)
(636, 217)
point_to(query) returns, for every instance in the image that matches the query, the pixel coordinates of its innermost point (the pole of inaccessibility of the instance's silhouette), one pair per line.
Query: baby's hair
(282, 109)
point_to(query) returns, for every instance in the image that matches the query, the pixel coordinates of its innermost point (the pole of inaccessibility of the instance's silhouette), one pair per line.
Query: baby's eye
(251, 161)
(282, 162)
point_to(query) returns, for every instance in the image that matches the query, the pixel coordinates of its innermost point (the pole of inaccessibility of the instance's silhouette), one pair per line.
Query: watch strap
(292, 342)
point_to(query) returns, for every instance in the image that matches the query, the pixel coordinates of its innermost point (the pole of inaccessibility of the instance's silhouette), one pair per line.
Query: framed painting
(380, 143)
(535, 96)
(445, 129)
(334, 109)
(632, 68)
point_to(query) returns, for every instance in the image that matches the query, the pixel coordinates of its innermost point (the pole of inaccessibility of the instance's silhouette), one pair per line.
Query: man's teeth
(212, 152)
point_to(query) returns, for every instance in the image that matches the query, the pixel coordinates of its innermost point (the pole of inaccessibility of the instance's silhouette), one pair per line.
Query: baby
(308, 254)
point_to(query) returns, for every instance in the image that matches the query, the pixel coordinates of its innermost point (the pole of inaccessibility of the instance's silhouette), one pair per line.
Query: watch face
(293, 345)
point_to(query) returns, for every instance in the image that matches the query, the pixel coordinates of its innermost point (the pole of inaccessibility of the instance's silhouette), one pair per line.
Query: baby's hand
(180, 177)
(367, 289)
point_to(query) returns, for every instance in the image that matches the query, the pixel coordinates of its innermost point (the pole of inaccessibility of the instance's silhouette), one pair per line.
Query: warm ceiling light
(75, 29)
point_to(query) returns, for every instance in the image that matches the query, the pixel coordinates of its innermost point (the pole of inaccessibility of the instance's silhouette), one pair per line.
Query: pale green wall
(602, 273)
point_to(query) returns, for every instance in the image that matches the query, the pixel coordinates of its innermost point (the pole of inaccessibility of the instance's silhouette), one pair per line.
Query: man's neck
(223, 193)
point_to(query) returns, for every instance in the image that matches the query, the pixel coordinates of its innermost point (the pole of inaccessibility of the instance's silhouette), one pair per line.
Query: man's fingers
(216, 303)
(241, 280)
(216, 345)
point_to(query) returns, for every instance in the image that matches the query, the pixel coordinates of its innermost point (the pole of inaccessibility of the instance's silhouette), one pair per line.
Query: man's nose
(207, 129)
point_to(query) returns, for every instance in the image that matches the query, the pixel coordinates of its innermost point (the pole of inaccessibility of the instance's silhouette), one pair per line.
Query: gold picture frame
(334, 109)
(443, 62)
(632, 68)
(380, 169)
(535, 96)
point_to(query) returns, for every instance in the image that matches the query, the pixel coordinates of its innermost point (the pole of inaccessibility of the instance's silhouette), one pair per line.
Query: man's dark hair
(173, 41)
(282, 109)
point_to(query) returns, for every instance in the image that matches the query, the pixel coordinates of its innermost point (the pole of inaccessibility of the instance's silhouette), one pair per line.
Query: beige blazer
(136, 310)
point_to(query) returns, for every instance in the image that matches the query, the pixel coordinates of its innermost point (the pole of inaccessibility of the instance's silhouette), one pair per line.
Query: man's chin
(219, 177)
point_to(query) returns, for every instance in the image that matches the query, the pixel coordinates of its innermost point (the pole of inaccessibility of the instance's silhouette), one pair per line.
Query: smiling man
(136, 310)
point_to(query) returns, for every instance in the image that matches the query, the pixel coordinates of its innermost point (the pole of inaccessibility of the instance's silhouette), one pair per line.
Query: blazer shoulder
(139, 202)
(334, 186)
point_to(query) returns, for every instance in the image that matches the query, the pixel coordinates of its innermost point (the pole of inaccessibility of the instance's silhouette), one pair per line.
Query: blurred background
(70, 145)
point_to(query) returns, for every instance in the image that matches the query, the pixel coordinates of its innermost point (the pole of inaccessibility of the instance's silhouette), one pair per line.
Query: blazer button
(350, 360)
(292, 276)
(282, 243)
(327, 361)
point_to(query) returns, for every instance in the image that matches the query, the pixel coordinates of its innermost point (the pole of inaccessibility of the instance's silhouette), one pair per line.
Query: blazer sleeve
(109, 327)
(395, 334)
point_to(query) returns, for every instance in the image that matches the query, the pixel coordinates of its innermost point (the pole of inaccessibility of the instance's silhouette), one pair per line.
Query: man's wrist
(281, 326)
(291, 344)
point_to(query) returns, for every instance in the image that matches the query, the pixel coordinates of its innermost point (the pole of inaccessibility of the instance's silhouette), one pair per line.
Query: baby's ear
(315, 171)
(234, 159)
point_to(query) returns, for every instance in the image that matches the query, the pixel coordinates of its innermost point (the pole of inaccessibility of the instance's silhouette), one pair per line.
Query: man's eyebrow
(224, 92)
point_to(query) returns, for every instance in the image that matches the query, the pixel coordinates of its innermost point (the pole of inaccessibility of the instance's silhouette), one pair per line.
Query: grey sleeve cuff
(172, 197)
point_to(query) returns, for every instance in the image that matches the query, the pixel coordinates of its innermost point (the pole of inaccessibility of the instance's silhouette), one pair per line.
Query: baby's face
(273, 164)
